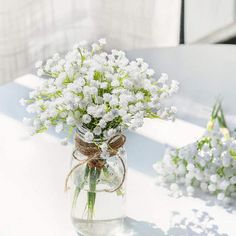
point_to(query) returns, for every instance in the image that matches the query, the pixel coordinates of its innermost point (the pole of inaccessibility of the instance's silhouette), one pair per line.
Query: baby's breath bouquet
(208, 164)
(97, 95)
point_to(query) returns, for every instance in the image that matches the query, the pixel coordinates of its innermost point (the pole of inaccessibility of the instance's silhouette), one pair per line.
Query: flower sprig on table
(208, 164)
(102, 92)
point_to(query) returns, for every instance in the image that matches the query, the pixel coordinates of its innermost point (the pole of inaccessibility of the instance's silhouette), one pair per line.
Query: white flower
(111, 132)
(170, 178)
(114, 101)
(190, 175)
(70, 120)
(174, 87)
(224, 184)
(221, 196)
(23, 102)
(204, 186)
(102, 123)
(77, 115)
(190, 190)
(95, 47)
(47, 123)
(104, 147)
(104, 85)
(56, 56)
(233, 180)
(86, 118)
(102, 41)
(59, 127)
(214, 178)
(181, 170)
(97, 130)
(108, 117)
(115, 83)
(88, 136)
(63, 114)
(139, 96)
(107, 97)
(92, 88)
(190, 167)
(126, 118)
(32, 108)
(150, 72)
(212, 187)
(163, 78)
(38, 64)
(227, 200)
(208, 165)
(127, 83)
(40, 72)
(226, 160)
(174, 187)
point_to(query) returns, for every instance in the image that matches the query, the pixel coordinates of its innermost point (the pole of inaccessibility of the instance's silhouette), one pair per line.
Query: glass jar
(97, 186)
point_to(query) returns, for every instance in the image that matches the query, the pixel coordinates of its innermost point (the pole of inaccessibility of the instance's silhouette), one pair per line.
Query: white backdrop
(35, 29)
(205, 17)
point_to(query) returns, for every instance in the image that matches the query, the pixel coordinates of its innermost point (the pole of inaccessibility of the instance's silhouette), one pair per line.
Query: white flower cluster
(209, 164)
(102, 92)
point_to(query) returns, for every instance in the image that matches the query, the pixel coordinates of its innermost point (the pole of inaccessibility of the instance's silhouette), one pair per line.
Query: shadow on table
(208, 199)
(10, 94)
(141, 228)
(143, 152)
(200, 224)
(211, 200)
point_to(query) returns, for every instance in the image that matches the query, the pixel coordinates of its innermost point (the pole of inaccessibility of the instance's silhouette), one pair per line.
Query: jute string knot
(92, 152)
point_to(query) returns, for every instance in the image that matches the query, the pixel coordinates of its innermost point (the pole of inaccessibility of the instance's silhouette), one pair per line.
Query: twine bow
(93, 152)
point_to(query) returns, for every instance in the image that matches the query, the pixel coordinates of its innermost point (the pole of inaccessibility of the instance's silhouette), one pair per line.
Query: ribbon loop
(93, 159)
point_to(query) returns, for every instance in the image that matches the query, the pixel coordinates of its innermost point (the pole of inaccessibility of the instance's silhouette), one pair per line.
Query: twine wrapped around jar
(92, 152)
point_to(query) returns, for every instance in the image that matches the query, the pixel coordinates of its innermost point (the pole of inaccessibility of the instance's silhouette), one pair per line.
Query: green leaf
(199, 166)
(175, 159)
(153, 116)
(41, 130)
(98, 75)
(206, 140)
(220, 171)
(233, 153)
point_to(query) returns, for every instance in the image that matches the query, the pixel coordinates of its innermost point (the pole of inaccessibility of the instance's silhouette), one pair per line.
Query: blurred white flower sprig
(208, 164)
(104, 93)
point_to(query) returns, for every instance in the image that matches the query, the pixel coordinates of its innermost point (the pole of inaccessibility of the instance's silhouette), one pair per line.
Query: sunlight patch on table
(176, 134)
(29, 81)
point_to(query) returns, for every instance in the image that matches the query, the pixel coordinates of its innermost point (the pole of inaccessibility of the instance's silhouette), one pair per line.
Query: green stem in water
(94, 174)
(80, 187)
(76, 195)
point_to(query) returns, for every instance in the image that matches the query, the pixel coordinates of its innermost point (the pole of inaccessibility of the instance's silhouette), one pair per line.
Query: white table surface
(33, 169)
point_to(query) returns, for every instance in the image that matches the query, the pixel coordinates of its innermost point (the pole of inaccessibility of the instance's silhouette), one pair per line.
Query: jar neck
(81, 131)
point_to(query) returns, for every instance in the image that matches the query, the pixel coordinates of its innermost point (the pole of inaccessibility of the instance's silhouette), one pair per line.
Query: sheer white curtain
(35, 29)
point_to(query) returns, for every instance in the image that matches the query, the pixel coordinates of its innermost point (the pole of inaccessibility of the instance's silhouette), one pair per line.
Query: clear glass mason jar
(97, 190)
